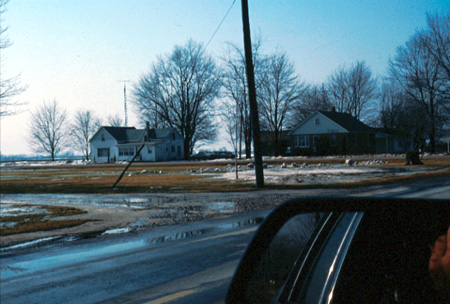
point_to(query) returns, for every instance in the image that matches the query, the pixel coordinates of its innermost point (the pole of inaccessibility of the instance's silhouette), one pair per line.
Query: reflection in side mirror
(279, 258)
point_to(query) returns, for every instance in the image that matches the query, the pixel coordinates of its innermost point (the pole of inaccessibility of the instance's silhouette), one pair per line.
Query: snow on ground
(320, 174)
(293, 171)
(31, 163)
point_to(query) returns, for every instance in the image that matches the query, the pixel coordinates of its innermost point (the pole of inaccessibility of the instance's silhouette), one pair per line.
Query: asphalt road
(153, 266)
(190, 263)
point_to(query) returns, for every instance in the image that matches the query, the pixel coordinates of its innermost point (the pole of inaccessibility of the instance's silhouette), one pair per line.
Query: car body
(343, 250)
(211, 155)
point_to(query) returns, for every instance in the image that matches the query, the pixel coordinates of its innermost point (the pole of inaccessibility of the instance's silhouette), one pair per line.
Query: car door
(358, 251)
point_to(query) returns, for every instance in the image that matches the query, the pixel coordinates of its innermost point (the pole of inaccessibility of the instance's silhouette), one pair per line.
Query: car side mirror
(315, 249)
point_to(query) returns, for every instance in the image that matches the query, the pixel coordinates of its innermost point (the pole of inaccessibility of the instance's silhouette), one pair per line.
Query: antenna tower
(125, 100)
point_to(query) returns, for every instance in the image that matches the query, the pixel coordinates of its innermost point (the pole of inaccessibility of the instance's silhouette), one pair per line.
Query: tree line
(51, 130)
(186, 89)
(197, 94)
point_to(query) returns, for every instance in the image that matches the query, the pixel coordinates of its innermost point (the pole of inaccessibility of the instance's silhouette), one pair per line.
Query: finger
(448, 241)
(440, 246)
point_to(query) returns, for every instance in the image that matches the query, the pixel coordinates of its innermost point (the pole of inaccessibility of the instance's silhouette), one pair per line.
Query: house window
(333, 140)
(317, 121)
(103, 152)
(302, 141)
(173, 136)
(172, 149)
(150, 151)
(126, 151)
(103, 137)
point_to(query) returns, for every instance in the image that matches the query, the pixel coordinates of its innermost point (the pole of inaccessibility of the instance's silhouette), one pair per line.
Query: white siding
(148, 153)
(325, 126)
(103, 140)
(168, 148)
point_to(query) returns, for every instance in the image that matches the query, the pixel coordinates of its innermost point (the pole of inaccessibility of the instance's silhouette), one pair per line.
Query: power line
(220, 24)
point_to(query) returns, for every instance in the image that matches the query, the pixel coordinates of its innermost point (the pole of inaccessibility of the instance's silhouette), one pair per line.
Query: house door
(315, 141)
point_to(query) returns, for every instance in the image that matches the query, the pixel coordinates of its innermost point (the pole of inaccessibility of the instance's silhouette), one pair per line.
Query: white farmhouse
(112, 144)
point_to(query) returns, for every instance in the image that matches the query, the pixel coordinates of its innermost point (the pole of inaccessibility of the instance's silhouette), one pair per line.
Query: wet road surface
(132, 268)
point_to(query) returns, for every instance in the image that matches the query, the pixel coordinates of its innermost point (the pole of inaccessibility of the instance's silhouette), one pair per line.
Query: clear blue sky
(76, 51)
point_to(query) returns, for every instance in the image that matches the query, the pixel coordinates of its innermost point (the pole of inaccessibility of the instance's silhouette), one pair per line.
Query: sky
(79, 52)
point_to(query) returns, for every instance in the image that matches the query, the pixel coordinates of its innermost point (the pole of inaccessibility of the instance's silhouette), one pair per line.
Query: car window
(388, 259)
(318, 283)
(279, 258)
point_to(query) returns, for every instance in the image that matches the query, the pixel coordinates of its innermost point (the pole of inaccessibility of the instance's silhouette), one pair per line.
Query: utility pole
(125, 100)
(252, 96)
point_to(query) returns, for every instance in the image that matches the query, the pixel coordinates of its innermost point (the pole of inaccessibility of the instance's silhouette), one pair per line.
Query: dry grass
(41, 226)
(101, 178)
(42, 221)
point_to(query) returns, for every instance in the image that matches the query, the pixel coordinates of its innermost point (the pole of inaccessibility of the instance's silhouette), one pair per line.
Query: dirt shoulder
(144, 211)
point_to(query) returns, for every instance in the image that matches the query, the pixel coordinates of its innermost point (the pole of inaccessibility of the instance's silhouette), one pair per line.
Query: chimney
(147, 131)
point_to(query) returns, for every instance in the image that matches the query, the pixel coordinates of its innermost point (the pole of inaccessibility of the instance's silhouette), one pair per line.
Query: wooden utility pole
(252, 96)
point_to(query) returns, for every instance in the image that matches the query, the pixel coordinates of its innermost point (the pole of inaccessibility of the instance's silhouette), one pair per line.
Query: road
(191, 263)
(144, 266)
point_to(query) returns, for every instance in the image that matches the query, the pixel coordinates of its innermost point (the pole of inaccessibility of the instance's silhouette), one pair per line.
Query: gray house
(328, 133)
(389, 142)
(112, 144)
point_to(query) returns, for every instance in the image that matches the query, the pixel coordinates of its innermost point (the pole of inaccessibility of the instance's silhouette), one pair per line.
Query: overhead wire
(220, 24)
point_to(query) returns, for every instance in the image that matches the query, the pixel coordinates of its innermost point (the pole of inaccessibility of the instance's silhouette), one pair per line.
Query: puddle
(30, 244)
(222, 207)
(14, 210)
(180, 236)
(188, 234)
(117, 231)
(253, 221)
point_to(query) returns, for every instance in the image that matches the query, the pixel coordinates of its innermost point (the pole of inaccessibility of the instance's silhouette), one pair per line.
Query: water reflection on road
(122, 244)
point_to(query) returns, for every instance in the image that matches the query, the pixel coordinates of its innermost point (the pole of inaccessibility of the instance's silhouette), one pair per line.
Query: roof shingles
(348, 122)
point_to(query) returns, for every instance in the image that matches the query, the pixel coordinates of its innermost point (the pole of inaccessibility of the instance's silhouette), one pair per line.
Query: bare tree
(315, 98)
(82, 129)
(438, 40)
(180, 90)
(230, 120)
(419, 74)
(391, 105)
(280, 91)
(9, 87)
(338, 90)
(234, 84)
(398, 114)
(362, 88)
(352, 90)
(48, 130)
(232, 123)
(114, 121)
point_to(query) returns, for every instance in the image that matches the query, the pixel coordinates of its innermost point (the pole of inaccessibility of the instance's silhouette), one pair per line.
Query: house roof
(161, 133)
(345, 120)
(348, 122)
(131, 134)
(125, 134)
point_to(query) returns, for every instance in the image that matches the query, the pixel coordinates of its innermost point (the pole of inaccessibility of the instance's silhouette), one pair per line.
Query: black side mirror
(312, 248)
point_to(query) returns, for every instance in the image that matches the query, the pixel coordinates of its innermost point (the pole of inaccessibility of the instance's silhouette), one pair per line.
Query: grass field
(29, 218)
(162, 178)
(176, 177)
